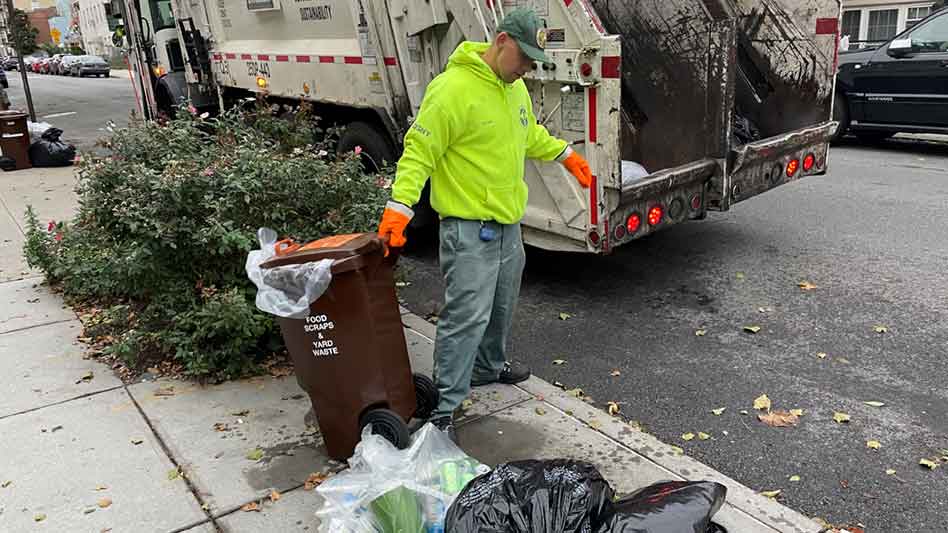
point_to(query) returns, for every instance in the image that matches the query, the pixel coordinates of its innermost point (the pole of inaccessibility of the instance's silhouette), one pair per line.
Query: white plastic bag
(286, 291)
(632, 172)
(37, 129)
(432, 467)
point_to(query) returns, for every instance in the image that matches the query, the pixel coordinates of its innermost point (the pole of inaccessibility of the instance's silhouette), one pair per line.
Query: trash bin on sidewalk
(15, 138)
(350, 353)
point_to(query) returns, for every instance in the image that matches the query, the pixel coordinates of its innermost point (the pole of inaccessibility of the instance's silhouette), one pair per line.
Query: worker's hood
(468, 55)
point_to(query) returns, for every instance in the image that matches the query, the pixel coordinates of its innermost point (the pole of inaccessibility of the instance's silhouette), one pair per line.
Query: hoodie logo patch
(523, 116)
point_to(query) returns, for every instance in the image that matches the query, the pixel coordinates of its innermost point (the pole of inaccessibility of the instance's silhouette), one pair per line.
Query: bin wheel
(426, 396)
(387, 424)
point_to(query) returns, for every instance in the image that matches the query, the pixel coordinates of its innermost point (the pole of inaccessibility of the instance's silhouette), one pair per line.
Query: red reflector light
(792, 167)
(633, 222)
(696, 202)
(586, 70)
(808, 162)
(594, 237)
(655, 215)
(619, 232)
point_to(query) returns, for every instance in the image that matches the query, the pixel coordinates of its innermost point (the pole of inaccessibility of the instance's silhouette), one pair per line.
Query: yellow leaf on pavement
(252, 506)
(794, 478)
(105, 502)
(806, 285)
(39, 517)
(880, 329)
(575, 393)
(688, 436)
(779, 419)
(274, 496)
(613, 408)
(740, 275)
(703, 436)
(595, 424)
(841, 417)
(752, 329)
(873, 444)
(701, 333)
(762, 402)
(890, 472)
(929, 463)
(315, 479)
(559, 362)
(719, 411)
(770, 493)
(467, 404)
(796, 412)
(6, 484)
(565, 316)
(173, 474)
(540, 411)
(255, 454)
(874, 404)
(677, 450)
(615, 373)
(821, 355)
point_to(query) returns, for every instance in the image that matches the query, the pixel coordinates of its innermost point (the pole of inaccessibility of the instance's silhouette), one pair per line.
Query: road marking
(56, 115)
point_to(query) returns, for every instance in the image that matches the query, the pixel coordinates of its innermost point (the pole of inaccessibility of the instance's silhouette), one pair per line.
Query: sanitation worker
(472, 135)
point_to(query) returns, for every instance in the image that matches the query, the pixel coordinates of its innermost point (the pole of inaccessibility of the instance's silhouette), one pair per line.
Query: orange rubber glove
(578, 167)
(394, 221)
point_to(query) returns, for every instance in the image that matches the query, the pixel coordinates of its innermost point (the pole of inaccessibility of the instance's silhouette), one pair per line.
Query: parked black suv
(901, 86)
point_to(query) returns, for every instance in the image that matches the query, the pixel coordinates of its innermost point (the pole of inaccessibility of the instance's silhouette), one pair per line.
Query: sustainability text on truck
(680, 106)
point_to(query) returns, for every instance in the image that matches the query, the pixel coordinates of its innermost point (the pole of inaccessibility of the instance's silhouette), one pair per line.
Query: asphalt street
(81, 107)
(871, 236)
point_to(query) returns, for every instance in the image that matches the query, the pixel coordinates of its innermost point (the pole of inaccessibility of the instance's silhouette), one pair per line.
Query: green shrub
(167, 217)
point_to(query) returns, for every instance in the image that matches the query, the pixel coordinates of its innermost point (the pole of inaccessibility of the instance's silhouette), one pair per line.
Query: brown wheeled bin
(15, 138)
(350, 353)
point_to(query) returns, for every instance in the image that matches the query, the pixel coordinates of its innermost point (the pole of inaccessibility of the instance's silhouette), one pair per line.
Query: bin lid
(336, 247)
(12, 115)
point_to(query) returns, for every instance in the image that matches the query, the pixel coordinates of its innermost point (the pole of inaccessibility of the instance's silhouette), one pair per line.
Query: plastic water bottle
(434, 515)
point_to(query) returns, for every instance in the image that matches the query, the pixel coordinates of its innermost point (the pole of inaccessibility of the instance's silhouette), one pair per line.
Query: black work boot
(446, 425)
(512, 374)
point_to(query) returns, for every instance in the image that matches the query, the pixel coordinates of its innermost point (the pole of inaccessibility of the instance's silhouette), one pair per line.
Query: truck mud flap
(760, 166)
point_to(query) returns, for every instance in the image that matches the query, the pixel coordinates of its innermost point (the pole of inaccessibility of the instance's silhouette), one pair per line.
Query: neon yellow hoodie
(471, 137)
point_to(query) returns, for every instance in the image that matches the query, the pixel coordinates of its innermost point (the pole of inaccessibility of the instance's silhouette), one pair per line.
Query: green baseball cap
(524, 26)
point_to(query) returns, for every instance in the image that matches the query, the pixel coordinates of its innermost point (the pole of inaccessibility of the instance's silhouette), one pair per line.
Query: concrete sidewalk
(84, 452)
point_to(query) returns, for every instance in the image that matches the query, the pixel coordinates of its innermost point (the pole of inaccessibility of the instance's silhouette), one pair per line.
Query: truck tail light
(633, 222)
(792, 167)
(655, 214)
(808, 162)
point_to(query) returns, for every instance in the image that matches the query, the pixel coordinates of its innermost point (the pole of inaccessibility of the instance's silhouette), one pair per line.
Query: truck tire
(376, 148)
(841, 115)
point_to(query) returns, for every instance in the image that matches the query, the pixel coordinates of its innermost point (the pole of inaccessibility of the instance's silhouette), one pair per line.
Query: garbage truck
(681, 107)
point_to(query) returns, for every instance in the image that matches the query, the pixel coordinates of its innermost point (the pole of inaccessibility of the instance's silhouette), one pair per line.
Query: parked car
(11, 63)
(3, 79)
(65, 66)
(90, 66)
(900, 86)
(53, 67)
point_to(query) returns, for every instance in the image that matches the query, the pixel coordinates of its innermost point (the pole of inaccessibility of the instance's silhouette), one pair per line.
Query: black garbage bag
(569, 496)
(669, 507)
(533, 497)
(49, 151)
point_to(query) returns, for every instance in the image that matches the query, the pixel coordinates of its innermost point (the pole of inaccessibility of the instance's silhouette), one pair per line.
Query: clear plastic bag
(387, 490)
(286, 291)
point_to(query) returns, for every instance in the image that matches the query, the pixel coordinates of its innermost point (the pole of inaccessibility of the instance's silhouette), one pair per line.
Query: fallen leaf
(559, 362)
(540, 411)
(220, 426)
(245, 412)
(39, 517)
(205, 507)
(743, 411)
(719, 411)
(90, 510)
(55, 429)
(772, 494)
(688, 436)
(740, 275)
(615, 373)
(105, 502)
(762, 402)
(703, 436)
(595, 424)
(806, 285)
(821, 355)
(575, 393)
(779, 419)
(701, 333)
(87, 377)
(560, 385)
(844, 483)
(252, 506)
(929, 463)
(890, 472)
(880, 329)
(842, 360)
(841, 417)
(165, 391)
(764, 310)
(613, 408)
(874, 404)
(255, 454)
(751, 329)
(467, 404)
(796, 412)
(173, 474)
(136, 442)
(315, 479)
(6, 484)
(873, 444)
(794, 478)
(677, 450)
(100, 488)
(274, 496)
(565, 316)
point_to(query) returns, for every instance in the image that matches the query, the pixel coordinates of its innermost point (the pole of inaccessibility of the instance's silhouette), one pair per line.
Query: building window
(883, 24)
(915, 15)
(850, 24)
